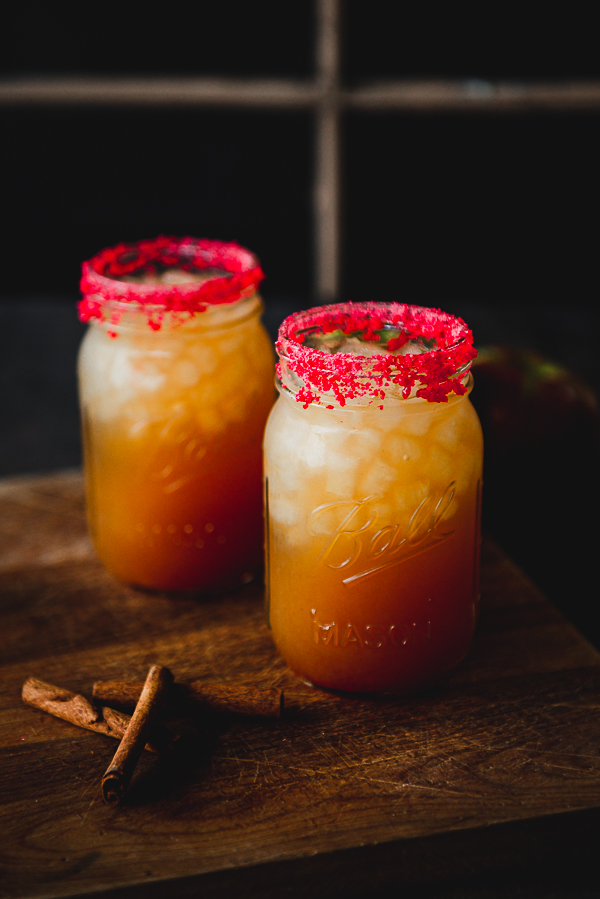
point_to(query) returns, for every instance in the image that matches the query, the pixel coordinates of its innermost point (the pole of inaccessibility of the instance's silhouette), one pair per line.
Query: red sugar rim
(436, 373)
(100, 287)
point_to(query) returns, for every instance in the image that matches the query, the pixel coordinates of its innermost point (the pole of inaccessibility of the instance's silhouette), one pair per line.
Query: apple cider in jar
(373, 465)
(176, 382)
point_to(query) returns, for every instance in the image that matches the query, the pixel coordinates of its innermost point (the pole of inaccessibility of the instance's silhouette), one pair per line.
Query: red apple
(541, 494)
(528, 402)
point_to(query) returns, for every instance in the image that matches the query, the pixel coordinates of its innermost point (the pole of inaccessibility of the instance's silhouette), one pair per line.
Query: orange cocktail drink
(373, 461)
(176, 382)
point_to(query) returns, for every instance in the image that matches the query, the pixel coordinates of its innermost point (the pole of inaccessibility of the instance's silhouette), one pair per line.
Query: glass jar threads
(176, 382)
(373, 461)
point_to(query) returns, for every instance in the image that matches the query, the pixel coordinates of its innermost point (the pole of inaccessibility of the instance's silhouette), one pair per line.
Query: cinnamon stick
(242, 699)
(76, 709)
(118, 774)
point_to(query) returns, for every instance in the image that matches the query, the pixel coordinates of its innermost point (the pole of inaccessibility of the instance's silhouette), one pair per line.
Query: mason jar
(176, 382)
(373, 466)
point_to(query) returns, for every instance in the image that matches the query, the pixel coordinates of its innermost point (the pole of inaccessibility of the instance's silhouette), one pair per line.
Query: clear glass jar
(373, 497)
(175, 389)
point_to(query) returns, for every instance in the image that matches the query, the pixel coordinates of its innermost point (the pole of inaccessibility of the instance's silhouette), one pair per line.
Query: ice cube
(180, 276)
(360, 347)
(286, 435)
(416, 423)
(284, 506)
(441, 465)
(447, 433)
(185, 373)
(408, 497)
(335, 435)
(340, 475)
(121, 371)
(231, 344)
(378, 477)
(412, 347)
(286, 475)
(204, 358)
(314, 452)
(147, 376)
(399, 449)
(94, 361)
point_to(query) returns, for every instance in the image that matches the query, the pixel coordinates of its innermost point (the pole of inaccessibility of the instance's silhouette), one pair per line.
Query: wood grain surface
(344, 795)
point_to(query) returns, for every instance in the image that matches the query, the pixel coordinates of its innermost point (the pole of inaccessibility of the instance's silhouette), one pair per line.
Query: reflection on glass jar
(373, 459)
(176, 382)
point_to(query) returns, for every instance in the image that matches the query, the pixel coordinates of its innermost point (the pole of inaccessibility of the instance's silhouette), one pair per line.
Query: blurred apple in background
(541, 425)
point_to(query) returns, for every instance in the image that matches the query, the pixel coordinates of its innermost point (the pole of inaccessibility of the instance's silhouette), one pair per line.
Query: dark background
(490, 208)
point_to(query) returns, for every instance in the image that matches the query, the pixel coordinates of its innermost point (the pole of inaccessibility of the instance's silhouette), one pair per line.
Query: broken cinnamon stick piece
(76, 709)
(241, 699)
(118, 774)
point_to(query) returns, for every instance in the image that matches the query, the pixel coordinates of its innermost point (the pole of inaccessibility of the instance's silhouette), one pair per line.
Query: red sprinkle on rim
(438, 369)
(101, 287)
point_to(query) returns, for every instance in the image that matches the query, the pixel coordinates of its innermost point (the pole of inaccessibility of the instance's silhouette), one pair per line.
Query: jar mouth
(348, 351)
(167, 274)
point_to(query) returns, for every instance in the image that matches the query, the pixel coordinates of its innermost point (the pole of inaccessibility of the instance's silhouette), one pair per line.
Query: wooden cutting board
(498, 769)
